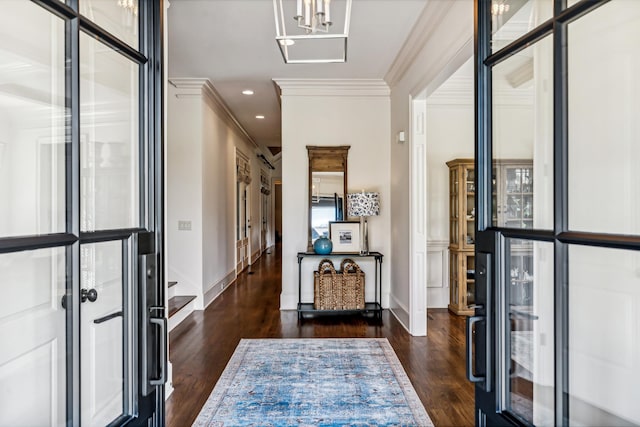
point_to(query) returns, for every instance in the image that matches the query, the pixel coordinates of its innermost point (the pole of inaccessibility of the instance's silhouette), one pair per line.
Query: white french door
(81, 309)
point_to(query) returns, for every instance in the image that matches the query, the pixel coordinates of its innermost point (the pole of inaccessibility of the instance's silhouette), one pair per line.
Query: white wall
(354, 113)
(442, 30)
(5, 190)
(201, 188)
(184, 190)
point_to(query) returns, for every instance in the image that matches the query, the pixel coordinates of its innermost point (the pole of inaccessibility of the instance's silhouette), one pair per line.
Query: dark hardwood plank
(178, 302)
(201, 346)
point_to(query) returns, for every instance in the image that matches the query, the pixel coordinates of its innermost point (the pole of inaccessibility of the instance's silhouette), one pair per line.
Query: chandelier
(130, 6)
(313, 15)
(498, 7)
(304, 30)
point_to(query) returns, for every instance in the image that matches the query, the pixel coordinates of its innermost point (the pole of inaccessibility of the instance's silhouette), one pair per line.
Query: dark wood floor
(201, 346)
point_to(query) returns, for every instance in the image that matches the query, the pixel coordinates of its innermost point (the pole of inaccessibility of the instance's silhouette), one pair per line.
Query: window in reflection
(32, 120)
(109, 134)
(522, 118)
(327, 201)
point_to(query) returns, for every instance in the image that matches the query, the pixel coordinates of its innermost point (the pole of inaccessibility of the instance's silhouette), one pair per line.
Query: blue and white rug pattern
(313, 382)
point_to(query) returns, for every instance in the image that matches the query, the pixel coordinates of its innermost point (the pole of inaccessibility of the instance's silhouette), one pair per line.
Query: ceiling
(232, 43)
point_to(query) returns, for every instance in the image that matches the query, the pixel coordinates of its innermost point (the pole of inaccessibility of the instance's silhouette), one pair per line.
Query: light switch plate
(184, 225)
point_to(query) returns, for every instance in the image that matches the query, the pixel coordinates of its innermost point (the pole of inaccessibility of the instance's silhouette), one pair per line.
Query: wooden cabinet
(462, 233)
(462, 219)
(462, 282)
(512, 193)
(512, 202)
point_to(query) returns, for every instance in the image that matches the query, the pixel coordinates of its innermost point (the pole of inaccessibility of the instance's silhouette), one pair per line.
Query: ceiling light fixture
(260, 117)
(287, 42)
(498, 7)
(130, 6)
(310, 30)
(247, 92)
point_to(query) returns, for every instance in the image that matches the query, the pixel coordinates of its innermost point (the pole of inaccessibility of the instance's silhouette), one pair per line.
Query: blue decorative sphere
(322, 246)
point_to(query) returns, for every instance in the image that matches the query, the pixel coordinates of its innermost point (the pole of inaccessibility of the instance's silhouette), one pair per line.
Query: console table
(374, 306)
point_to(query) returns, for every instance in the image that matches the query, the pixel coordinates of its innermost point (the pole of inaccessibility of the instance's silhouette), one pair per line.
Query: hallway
(202, 344)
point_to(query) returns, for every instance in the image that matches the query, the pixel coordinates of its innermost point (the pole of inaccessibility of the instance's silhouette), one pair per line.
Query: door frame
(149, 410)
(487, 367)
(243, 202)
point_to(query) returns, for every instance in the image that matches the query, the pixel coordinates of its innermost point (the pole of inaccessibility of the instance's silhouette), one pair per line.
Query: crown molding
(333, 87)
(423, 29)
(198, 87)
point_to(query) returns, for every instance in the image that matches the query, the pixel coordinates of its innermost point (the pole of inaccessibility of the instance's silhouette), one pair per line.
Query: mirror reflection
(327, 201)
(327, 188)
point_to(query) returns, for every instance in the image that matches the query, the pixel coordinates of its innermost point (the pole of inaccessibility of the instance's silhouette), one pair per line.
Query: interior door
(553, 340)
(241, 227)
(264, 225)
(243, 210)
(80, 150)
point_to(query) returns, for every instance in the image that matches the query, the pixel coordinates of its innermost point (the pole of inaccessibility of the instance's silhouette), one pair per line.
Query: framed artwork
(345, 236)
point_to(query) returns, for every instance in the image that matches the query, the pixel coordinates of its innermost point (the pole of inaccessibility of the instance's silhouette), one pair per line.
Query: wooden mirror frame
(326, 159)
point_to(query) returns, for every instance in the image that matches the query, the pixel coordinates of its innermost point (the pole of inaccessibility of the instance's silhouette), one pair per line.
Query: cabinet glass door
(454, 188)
(470, 207)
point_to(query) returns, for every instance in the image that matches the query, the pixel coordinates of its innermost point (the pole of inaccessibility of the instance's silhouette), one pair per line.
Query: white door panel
(32, 330)
(102, 343)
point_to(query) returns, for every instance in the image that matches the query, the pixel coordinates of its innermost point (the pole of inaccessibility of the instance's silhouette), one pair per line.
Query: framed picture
(345, 236)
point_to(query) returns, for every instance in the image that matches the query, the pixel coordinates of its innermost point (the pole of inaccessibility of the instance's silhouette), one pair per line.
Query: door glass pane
(32, 333)
(32, 120)
(119, 17)
(523, 139)
(102, 333)
(109, 125)
(511, 19)
(530, 355)
(604, 130)
(604, 336)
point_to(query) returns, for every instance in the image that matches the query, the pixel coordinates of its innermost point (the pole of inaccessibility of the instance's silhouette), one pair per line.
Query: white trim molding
(217, 288)
(418, 218)
(400, 312)
(438, 277)
(427, 23)
(333, 87)
(190, 87)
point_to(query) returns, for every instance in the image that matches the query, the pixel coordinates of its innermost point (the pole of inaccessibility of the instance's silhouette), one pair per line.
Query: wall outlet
(184, 225)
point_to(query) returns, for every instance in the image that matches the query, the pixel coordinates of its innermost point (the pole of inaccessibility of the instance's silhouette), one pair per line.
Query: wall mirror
(327, 188)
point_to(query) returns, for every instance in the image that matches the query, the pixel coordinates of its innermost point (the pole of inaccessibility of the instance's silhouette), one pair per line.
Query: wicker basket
(327, 287)
(352, 285)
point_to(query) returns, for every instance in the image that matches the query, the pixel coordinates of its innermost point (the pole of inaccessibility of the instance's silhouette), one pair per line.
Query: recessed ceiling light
(260, 117)
(287, 42)
(247, 92)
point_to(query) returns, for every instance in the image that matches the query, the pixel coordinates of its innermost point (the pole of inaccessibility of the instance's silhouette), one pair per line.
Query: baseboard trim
(400, 312)
(168, 386)
(216, 289)
(288, 301)
(178, 317)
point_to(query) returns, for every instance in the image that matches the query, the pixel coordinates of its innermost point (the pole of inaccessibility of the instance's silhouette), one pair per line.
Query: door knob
(91, 295)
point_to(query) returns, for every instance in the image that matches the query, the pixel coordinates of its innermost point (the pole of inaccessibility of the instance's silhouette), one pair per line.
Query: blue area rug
(313, 382)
